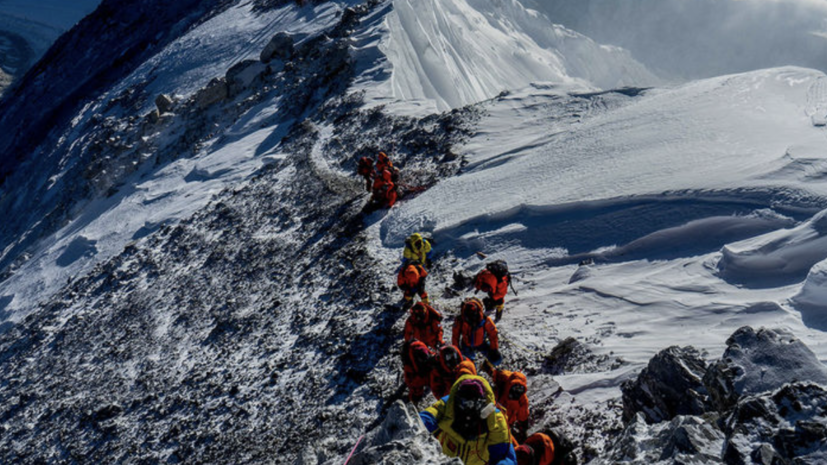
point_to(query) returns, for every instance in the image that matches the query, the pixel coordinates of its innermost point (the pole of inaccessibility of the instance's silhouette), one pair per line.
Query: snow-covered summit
(444, 54)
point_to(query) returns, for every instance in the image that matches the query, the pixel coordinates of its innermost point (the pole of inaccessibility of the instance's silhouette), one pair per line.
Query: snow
(446, 54)
(699, 208)
(663, 190)
(209, 50)
(40, 23)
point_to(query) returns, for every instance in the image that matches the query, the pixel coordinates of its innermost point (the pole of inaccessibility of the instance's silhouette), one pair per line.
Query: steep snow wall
(452, 53)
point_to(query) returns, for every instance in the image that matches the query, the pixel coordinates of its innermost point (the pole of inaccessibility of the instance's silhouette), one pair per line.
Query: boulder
(280, 47)
(670, 385)
(401, 438)
(243, 74)
(684, 439)
(572, 356)
(164, 103)
(760, 361)
(153, 117)
(785, 426)
(216, 91)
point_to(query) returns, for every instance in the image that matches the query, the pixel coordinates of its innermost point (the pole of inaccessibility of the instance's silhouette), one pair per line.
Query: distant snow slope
(40, 23)
(702, 38)
(449, 53)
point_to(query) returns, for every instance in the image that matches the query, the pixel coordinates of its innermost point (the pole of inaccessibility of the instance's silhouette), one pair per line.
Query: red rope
(354, 449)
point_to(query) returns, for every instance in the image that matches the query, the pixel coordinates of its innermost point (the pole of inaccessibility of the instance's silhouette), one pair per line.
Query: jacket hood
(517, 378)
(489, 393)
(445, 349)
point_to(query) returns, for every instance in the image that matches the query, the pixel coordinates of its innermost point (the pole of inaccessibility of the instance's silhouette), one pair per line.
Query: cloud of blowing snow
(688, 39)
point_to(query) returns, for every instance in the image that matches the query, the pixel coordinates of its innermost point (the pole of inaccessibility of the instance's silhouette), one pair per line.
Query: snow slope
(447, 54)
(40, 23)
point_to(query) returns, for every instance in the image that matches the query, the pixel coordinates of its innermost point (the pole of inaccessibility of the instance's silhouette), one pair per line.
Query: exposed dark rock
(243, 74)
(216, 91)
(572, 356)
(280, 47)
(670, 385)
(756, 424)
(164, 103)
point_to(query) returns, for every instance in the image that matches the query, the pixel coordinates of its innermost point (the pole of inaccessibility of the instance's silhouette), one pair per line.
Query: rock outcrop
(671, 385)
(763, 402)
(280, 47)
(760, 361)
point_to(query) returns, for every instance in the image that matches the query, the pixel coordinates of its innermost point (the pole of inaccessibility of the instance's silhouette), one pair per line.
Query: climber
(384, 163)
(384, 190)
(411, 280)
(510, 390)
(449, 366)
(494, 280)
(417, 248)
(546, 449)
(424, 323)
(468, 424)
(417, 363)
(470, 330)
(365, 170)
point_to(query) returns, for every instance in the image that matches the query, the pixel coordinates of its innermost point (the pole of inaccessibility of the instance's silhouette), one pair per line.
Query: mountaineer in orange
(468, 424)
(384, 163)
(470, 330)
(411, 280)
(417, 363)
(537, 450)
(543, 449)
(449, 366)
(494, 280)
(424, 323)
(365, 170)
(384, 190)
(510, 389)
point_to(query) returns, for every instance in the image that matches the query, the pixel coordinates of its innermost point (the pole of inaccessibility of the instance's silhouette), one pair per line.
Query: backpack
(365, 166)
(406, 353)
(499, 269)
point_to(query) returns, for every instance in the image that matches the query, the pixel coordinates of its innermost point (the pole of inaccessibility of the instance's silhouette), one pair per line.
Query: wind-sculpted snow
(811, 301)
(780, 257)
(451, 53)
(708, 135)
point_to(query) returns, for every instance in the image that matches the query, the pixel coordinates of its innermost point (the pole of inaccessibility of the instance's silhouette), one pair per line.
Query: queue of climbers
(381, 180)
(480, 422)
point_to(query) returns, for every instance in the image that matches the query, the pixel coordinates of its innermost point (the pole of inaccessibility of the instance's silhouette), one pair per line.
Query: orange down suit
(487, 282)
(443, 377)
(517, 409)
(543, 447)
(427, 328)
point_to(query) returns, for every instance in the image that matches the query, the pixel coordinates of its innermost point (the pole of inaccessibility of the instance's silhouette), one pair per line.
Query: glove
(519, 431)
